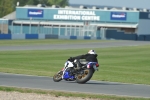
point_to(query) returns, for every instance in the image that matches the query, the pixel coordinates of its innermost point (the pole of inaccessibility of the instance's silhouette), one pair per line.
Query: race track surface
(75, 46)
(93, 87)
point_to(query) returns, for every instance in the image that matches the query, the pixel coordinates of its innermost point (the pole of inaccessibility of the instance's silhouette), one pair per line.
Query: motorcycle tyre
(87, 78)
(55, 79)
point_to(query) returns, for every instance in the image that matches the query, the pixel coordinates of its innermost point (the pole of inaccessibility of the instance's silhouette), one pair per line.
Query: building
(76, 23)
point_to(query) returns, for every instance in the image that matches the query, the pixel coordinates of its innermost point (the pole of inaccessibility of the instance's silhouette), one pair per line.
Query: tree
(8, 6)
(46, 2)
(61, 3)
(21, 2)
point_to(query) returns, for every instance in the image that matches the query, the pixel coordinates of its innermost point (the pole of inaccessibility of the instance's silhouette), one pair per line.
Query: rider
(91, 56)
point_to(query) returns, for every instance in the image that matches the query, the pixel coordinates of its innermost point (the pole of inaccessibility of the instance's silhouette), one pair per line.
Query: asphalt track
(75, 46)
(92, 87)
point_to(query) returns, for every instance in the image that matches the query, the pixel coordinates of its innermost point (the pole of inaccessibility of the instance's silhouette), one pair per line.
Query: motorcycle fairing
(66, 74)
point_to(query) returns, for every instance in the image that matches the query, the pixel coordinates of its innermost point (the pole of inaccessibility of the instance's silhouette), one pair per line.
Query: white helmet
(91, 52)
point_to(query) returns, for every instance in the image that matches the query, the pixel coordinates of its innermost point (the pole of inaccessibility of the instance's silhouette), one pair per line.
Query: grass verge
(46, 41)
(69, 94)
(119, 64)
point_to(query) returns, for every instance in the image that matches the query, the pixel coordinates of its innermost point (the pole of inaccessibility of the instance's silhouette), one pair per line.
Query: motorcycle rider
(91, 56)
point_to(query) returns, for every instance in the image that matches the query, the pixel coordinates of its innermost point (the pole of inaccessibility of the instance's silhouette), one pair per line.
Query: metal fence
(64, 30)
(61, 30)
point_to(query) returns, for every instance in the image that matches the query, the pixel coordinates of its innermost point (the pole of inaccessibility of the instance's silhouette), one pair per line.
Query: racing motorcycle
(71, 72)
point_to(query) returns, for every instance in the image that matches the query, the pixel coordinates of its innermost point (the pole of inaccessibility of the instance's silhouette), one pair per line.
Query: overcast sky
(118, 3)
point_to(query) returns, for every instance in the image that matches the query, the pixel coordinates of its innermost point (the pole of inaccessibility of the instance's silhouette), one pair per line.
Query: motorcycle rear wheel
(86, 76)
(58, 76)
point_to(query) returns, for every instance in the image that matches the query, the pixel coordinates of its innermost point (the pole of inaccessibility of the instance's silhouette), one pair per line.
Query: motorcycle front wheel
(58, 76)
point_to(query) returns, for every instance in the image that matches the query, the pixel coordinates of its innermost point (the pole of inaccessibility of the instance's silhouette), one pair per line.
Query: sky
(117, 3)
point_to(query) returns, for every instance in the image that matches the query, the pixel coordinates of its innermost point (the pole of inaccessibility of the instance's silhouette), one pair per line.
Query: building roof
(10, 16)
(60, 23)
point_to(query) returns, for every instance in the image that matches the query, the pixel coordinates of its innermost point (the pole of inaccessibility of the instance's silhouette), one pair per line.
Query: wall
(110, 34)
(144, 23)
(144, 27)
(120, 35)
(41, 36)
(114, 34)
(143, 31)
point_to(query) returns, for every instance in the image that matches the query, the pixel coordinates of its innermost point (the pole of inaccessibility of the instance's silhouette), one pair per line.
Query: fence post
(59, 30)
(21, 28)
(2, 28)
(12, 28)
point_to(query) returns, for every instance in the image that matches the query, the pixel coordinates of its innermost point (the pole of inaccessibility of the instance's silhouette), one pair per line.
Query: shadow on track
(94, 83)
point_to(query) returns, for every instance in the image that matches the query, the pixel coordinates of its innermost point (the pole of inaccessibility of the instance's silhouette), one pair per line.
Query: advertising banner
(118, 16)
(35, 13)
(76, 15)
(63, 14)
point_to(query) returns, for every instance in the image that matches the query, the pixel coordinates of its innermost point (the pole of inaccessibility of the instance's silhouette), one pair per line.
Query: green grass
(69, 94)
(45, 41)
(118, 64)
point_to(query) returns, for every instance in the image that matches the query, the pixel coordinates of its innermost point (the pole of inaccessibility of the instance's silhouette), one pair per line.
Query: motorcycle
(71, 72)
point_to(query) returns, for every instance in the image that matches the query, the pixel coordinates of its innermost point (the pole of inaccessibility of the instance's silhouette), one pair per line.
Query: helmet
(91, 52)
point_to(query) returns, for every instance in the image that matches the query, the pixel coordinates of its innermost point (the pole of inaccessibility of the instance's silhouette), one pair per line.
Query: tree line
(8, 6)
